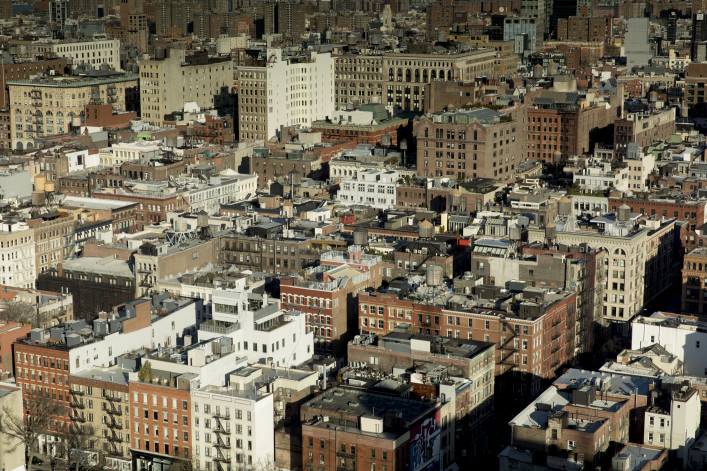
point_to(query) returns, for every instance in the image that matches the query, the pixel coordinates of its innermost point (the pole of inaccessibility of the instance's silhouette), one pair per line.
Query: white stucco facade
(371, 188)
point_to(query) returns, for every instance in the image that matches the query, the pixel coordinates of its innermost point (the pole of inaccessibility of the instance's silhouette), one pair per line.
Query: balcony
(77, 392)
(220, 457)
(114, 438)
(78, 418)
(78, 405)
(343, 454)
(220, 431)
(111, 399)
(220, 415)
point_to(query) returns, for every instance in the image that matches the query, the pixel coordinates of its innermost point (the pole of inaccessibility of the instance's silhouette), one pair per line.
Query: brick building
(532, 343)
(330, 303)
(464, 144)
(96, 283)
(281, 256)
(580, 28)
(368, 437)
(9, 332)
(693, 212)
(161, 415)
(643, 128)
(694, 281)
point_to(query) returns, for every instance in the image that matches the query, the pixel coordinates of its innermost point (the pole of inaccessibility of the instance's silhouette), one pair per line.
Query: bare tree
(78, 438)
(25, 429)
(18, 311)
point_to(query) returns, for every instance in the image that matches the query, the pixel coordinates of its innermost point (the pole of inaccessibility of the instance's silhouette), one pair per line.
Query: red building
(213, 131)
(372, 134)
(9, 332)
(534, 341)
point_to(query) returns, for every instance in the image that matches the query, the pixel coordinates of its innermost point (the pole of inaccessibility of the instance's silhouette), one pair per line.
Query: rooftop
(73, 81)
(101, 265)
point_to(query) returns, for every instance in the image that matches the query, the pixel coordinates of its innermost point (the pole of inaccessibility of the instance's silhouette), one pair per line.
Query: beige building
(401, 79)
(93, 54)
(12, 454)
(17, 260)
(639, 264)
(167, 84)
(103, 400)
(53, 237)
(49, 105)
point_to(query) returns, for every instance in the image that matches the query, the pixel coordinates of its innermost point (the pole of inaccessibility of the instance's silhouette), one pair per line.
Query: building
(102, 394)
(695, 84)
(525, 33)
(59, 11)
(233, 425)
(285, 256)
(9, 332)
(371, 124)
(400, 79)
(329, 297)
(680, 335)
(694, 277)
(515, 332)
(12, 452)
(370, 188)
(155, 262)
(50, 105)
(164, 394)
(49, 308)
(301, 85)
(122, 152)
(17, 252)
(356, 435)
(581, 415)
(480, 143)
(92, 54)
(54, 237)
(673, 420)
(205, 80)
(637, 255)
(261, 331)
(581, 28)
(643, 128)
(95, 283)
(636, 46)
(273, 166)
(45, 360)
(121, 214)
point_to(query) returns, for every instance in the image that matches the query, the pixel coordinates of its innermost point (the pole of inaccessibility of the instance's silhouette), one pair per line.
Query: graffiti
(425, 445)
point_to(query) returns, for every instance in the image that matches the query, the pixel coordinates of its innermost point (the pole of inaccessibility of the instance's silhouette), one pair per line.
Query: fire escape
(113, 423)
(77, 406)
(222, 443)
(508, 347)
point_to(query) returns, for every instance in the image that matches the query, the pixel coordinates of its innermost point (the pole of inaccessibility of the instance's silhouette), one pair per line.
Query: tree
(25, 429)
(145, 373)
(79, 438)
(18, 311)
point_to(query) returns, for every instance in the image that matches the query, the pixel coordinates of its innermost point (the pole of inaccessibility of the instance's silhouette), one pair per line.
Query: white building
(639, 166)
(81, 160)
(262, 332)
(233, 425)
(123, 152)
(599, 176)
(683, 336)
(371, 188)
(92, 53)
(674, 424)
(298, 90)
(12, 451)
(18, 266)
(230, 187)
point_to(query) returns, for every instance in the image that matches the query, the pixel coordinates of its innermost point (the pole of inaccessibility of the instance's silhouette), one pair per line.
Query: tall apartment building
(694, 281)
(59, 11)
(401, 79)
(479, 143)
(6, 9)
(695, 84)
(50, 105)
(102, 395)
(23, 71)
(441, 15)
(233, 426)
(284, 91)
(53, 235)
(638, 256)
(286, 256)
(17, 254)
(579, 28)
(166, 84)
(286, 18)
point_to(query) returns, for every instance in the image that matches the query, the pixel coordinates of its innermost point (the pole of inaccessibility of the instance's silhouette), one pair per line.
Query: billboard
(425, 444)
